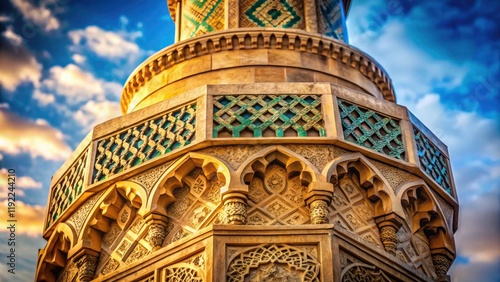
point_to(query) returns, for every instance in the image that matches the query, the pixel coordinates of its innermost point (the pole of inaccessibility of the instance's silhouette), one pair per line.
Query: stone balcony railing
(262, 113)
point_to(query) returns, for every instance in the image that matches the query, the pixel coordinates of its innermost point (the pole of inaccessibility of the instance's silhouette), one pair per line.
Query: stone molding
(255, 39)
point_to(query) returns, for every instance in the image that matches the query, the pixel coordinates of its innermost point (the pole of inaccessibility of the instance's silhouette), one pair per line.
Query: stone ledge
(334, 52)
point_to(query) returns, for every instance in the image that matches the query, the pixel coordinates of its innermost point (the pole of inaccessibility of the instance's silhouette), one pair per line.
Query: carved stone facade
(255, 154)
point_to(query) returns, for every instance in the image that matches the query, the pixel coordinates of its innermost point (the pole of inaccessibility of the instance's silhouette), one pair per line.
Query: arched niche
(53, 259)
(369, 178)
(278, 181)
(119, 205)
(425, 216)
(162, 194)
(294, 165)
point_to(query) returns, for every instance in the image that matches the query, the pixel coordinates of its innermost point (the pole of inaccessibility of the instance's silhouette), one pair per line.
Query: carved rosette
(319, 212)
(86, 267)
(441, 264)
(389, 238)
(235, 212)
(156, 235)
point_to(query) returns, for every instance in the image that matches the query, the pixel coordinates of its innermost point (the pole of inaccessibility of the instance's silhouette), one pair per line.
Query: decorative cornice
(250, 39)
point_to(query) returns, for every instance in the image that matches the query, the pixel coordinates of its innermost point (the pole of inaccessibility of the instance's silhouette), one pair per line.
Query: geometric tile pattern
(331, 19)
(272, 13)
(146, 141)
(275, 199)
(352, 210)
(201, 16)
(196, 206)
(371, 130)
(69, 187)
(268, 116)
(432, 161)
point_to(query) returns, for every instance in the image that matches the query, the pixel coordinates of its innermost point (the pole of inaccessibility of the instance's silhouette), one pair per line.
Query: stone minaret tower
(261, 146)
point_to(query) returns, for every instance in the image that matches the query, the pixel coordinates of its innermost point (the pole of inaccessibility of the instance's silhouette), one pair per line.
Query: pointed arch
(426, 214)
(162, 193)
(135, 193)
(293, 162)
(54, 256)
(378, 189)
(107, 209)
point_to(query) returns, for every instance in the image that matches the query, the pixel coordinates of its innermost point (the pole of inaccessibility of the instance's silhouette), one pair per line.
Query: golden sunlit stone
(259, 147)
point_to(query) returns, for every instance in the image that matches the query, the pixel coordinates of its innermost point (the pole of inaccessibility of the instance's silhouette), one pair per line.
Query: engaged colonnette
(260, 146)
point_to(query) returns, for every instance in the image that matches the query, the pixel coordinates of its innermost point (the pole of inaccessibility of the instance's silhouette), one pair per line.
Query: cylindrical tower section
(197, 17)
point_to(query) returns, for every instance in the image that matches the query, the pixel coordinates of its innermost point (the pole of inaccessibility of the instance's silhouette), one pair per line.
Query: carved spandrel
(150, 177)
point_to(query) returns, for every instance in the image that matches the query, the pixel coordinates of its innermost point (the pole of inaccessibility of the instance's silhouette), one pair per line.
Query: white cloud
(41, 16)
(29, 218)
(79, 59)
(412, 69)
(467, 134)
(17, 64)
(93, 113)
(6, 19)
(78, 85)
(477, 237)
(38, 139)
(106, 44)
(43, 98)
(12, 36)
(4, 106)
(21, 184)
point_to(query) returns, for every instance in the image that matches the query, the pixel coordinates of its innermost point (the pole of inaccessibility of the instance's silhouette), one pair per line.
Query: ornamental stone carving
(273, 263)
(235, 212)
(319, 212)
(389, 238)
(441, 264)
(86, 267)
(156, 235)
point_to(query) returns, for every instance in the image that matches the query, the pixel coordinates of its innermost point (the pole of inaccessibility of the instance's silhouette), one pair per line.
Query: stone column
(388, 226)
(442, 262)
(318, 198)
(235, 208)
(157, 230)
(87, 265)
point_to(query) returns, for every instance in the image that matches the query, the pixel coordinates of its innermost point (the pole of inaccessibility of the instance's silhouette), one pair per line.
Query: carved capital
(319, 212)
(156, 235)
(389, 238)
(235, 211)
(441, 264)
(86, 267)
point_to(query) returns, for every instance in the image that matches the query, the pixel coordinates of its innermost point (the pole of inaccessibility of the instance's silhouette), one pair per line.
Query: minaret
(261, 146)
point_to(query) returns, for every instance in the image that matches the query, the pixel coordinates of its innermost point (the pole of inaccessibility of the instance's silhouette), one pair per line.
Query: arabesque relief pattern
(276, 196)
(198, 204)
(353, 211)
(272, 263)
(276, 199)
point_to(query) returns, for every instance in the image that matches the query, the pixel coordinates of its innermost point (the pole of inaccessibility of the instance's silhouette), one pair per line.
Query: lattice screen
(268, 116)
(371, 130)
(149, 140)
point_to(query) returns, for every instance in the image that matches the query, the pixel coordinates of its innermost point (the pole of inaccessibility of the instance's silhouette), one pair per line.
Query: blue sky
(63, 63)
